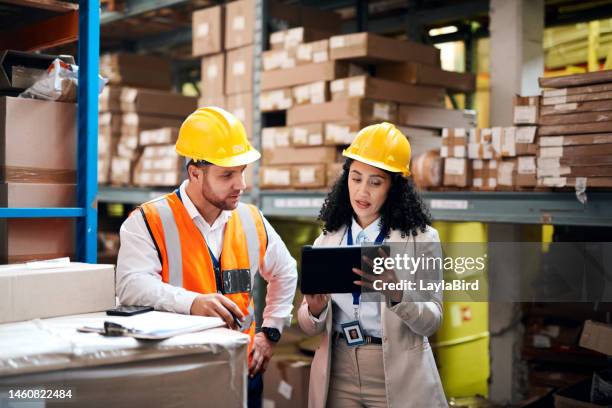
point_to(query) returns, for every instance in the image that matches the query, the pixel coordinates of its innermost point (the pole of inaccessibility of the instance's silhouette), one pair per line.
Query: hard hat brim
(377, 164)
(239, 160)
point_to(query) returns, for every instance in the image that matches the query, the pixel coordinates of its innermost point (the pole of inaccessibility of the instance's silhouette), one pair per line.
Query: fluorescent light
(443, 30)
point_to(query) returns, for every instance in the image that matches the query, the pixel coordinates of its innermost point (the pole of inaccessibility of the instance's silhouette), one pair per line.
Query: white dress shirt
(342, 303)
(139, 268)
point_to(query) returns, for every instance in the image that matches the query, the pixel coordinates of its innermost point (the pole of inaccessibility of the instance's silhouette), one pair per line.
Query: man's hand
(317, 303)
(261, 354)
(217, 305)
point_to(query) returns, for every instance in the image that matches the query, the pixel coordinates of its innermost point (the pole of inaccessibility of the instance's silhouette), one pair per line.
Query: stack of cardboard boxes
(223, 37)
(37, 169)
(576, 131)
(137, 99)
(498, 158)
(525, 116)
(328, 93)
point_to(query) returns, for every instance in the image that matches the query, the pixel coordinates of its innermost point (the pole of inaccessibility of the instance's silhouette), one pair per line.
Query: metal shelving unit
(87, 149)
(556, 208)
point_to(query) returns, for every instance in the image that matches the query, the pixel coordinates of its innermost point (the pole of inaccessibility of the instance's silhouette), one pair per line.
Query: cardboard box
(482, 151)
(454, 143)
(239, 20)
(574, 90)
(311, 134)
(374, 88)
(276, 100)
(574, 181)
(299, 155)
(274, 137)
(590, 78)
(278, 59)
(526, 110)
(369, 47)
(147, 71)
(435, 118)
(121, 171)
(456, 172)
(506, 173)
(334, 171)
(419, 74)
(597, 336)
(239, 71)
(15, 195)
(286, 381)
(484, 174)
(576, 151)
(421, 140)
(303, 74)
(352, 109)
(152, 102)
(296, 15)
(293, 37)
(575, 118)
(55, 291)
(576, 107)
(167, 135)
(207, 31)
(573, 140)
(213, 76)
(274, 176)
(110, 99)
(312, 52)
(526, 180)
(308, 175)
(316, 92)
(241, 105)
(577, 98)
(38, 141)
(29, 239)
(133, 123)
(426, 169)
(110, 122)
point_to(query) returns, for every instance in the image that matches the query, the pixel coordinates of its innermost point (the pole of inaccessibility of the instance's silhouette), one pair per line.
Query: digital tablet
(329, 269)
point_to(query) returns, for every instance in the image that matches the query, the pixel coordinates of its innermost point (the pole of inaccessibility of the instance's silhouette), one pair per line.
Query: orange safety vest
(186, 260)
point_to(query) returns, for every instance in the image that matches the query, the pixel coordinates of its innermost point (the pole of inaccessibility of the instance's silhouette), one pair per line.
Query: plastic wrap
(122, 371)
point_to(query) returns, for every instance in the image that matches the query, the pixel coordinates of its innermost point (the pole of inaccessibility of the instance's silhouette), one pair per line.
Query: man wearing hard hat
(197, 250)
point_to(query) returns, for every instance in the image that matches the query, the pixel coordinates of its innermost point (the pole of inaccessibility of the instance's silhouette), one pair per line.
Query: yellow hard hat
(216, 136)
(383, 146)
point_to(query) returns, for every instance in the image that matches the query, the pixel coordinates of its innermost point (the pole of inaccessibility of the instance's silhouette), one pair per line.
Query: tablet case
(329, 269)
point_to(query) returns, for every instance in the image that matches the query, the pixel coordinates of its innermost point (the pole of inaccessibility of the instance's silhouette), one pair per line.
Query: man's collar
(193, 212)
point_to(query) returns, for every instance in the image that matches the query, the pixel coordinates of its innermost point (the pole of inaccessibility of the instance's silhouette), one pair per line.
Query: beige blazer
(411, 375)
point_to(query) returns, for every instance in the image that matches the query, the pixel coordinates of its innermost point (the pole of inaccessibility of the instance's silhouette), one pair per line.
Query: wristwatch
(271, 334)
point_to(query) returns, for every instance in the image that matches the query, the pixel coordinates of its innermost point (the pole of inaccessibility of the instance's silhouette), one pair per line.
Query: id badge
(353, 333)
(236, 281)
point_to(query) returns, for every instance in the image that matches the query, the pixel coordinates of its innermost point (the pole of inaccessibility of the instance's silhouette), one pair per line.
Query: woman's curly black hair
(403, 210)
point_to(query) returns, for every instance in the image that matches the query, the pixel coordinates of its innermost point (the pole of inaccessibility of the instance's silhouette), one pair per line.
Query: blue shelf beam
(35, 212)
(87, 117)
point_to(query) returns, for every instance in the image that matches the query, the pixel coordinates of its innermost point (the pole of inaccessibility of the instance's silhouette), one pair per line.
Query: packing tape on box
(19, 174)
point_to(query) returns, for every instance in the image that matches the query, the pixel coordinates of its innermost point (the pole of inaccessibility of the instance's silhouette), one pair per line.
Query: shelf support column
(517, 56)
(87, 128)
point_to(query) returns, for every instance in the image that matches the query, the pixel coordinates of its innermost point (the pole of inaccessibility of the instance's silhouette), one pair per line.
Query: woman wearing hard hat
(374, 354)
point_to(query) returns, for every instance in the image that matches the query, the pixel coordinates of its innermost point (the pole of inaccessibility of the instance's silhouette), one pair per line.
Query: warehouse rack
(37, 36)
(532, 207)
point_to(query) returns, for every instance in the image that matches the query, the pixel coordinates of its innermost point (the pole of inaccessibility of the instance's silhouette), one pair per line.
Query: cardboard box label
(202, 30)
(320, 56)
(337, 86)
(285, 389)
(454, 166)
(212, 72)
(336, 42)
(304, 52)
(306, 175)
(381, 110)
(277, 176)
(526, 165)
(357, 88)
(566, 107)
(526, 134)
(525, 114)
(238, 68)
(238, 23)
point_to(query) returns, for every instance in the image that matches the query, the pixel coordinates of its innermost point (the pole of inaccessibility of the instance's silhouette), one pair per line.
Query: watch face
(272, 334)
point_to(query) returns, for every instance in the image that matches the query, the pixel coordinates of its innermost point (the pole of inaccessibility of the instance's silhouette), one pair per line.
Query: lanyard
(349, 241)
